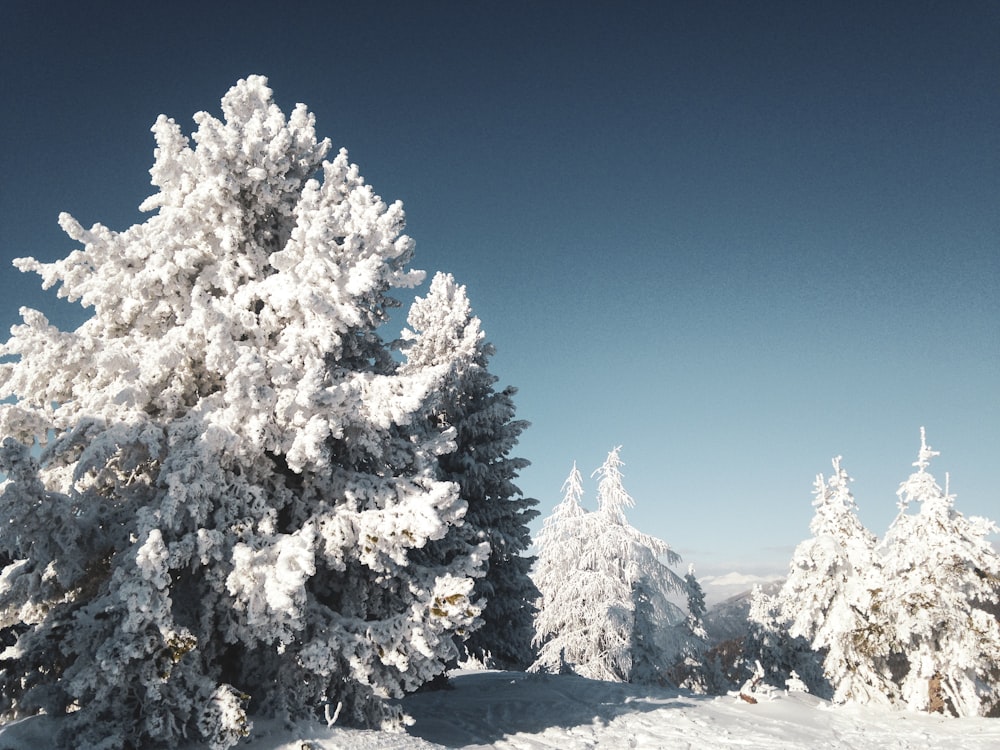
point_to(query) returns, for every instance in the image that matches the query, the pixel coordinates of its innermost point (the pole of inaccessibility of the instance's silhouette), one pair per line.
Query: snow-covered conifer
(691, 670)
(695, 601)
(559, 545)
(685, 641)
(610, 590)
(772, 654)
(940, 572)
(445, 332)
(232, 479)
(826, 597)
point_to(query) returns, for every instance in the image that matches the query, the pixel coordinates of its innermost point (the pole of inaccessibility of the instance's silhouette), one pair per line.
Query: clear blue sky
(736, 238)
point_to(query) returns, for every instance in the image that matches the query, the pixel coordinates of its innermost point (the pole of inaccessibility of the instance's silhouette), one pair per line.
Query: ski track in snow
(515, 711)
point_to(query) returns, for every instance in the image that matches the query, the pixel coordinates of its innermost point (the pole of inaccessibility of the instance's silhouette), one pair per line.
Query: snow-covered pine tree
(445, 332)
(771, 654)
(940, 572)
(231, 477)
(827, 594)
(690, 671)
(611, 591)
(695, 601)
(558, 631)
(628, 559)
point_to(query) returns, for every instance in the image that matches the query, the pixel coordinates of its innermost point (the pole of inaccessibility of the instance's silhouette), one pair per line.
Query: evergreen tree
(826, 597)
(560, 547)
(695, 601)
(233, 480)
(691, 671)
(772, 655)
(612, 595)
(445, 332)
(940, 572)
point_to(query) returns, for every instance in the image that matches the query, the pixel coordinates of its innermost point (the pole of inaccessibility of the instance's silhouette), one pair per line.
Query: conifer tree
(232, 481)
(826, 597)
(772, 654)
(445, 332)
(695, 600)
(560, 547)
(940, 572)
(611, 594)
(691, 671)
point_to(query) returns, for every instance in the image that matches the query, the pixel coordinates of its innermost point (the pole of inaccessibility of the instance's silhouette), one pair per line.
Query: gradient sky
(735, 238)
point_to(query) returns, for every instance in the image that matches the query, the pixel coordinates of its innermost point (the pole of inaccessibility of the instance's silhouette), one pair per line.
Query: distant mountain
(718, 588)
(728, 619)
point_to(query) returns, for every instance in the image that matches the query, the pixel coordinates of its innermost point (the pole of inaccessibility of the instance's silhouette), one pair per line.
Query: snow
(520, 711)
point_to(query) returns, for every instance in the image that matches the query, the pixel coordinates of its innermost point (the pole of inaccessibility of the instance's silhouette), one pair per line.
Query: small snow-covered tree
(691, 671)
(772, 653)
(232, 481)
(611, 591)
(688, 640)
(939, 572)
(826, 597)
(695, 601)
(560, 546)
(446, 333)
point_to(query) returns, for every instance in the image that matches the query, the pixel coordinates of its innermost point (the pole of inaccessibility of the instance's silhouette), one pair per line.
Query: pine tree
(445, 332)
(695, 601)
(231, 480)
(940, 572)
(560, 547)
(826, 597)
(610, 589)
(691, 670)
(774, 652)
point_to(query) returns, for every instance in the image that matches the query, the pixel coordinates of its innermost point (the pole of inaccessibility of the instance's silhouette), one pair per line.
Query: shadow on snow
(485, 707)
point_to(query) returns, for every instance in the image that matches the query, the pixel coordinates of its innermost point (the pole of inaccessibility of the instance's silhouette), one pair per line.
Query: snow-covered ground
(542, 712)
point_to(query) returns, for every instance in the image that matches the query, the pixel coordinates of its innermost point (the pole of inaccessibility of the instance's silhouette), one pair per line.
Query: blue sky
(737, 239)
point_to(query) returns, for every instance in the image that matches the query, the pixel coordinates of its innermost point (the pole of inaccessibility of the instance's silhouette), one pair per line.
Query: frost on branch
(220, 486)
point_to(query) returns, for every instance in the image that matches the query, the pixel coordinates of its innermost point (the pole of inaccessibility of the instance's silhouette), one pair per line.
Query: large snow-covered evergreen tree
(445, 332)
(827, 595)
(608, 592)
(218, 484)
(940, 574)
